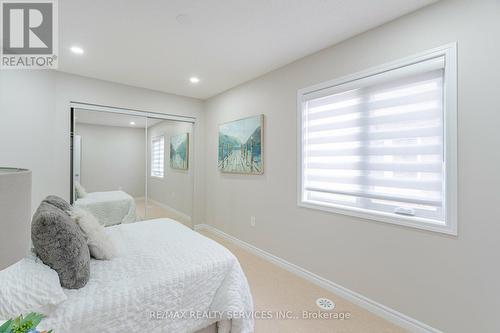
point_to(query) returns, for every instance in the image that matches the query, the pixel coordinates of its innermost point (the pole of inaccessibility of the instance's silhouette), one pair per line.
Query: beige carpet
(155, 211)
(275, 289)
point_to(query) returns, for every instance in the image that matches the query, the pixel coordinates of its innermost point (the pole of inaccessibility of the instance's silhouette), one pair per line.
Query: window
(382, 144)
(158, 156)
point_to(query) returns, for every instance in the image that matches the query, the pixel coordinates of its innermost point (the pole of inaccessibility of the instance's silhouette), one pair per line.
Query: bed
(110, 207)
(166, 278)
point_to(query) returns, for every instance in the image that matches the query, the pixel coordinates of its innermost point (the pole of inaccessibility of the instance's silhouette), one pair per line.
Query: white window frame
(450, 225)
(151, 157)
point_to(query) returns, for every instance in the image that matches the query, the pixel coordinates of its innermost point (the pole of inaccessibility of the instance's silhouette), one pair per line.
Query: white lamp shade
(15, 215)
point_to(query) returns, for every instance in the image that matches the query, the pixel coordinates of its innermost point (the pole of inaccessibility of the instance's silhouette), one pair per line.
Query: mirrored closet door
(170, 170)
(130, 167)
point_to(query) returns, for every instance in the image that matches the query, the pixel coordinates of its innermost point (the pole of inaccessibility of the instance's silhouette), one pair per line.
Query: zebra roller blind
(376, 144)
(158, 156)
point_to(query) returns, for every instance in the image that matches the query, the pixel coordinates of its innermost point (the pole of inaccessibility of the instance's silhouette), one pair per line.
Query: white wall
(28, 131)
(450, 283)
(175, 190)
(113, 158)
(35, 119)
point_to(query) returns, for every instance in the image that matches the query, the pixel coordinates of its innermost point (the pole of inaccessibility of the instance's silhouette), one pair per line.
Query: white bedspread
(110, 208)
(164, 268)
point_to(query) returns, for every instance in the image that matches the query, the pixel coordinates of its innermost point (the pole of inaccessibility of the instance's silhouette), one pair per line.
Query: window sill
(407, 221)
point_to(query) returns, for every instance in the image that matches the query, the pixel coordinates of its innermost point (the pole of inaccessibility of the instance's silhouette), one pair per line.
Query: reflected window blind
(157, 156)
(377, 143)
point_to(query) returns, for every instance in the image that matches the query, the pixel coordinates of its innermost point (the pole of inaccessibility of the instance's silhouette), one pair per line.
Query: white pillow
(80, 191)
(29, 286)
(100, 244)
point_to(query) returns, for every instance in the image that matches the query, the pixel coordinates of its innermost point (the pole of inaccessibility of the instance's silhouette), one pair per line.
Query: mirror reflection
(169, 181)
(129, 168)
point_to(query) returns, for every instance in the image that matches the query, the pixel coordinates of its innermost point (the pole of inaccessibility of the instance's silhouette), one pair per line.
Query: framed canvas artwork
(179, 151)
(240, 146)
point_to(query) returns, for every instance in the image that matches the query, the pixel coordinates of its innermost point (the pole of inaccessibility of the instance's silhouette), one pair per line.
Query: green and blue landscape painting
(240, 146)
(179, 151)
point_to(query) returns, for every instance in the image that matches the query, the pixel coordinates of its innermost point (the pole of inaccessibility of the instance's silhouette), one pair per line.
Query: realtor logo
(29, 34)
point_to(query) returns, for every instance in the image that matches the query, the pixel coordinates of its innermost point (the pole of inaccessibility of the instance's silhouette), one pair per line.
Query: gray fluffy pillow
(58, 202)
(60, 244)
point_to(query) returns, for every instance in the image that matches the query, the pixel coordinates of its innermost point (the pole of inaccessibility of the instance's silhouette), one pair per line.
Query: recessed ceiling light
(132, 123)
(183, 19)
(194, 79)
(76, 50)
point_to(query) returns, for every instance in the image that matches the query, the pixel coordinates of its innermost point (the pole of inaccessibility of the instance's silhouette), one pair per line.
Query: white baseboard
(167, 207)
(383, 311)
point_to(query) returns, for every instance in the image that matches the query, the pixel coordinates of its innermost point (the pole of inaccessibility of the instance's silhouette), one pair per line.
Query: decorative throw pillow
(58, 202)
(60, 244)
(80, 191)
(29, 286)
(100, 244)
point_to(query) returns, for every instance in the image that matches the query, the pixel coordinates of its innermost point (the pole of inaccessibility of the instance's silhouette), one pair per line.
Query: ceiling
(160, 44)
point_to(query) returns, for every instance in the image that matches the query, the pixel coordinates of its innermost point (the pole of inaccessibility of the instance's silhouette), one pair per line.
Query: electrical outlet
(252, 221)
